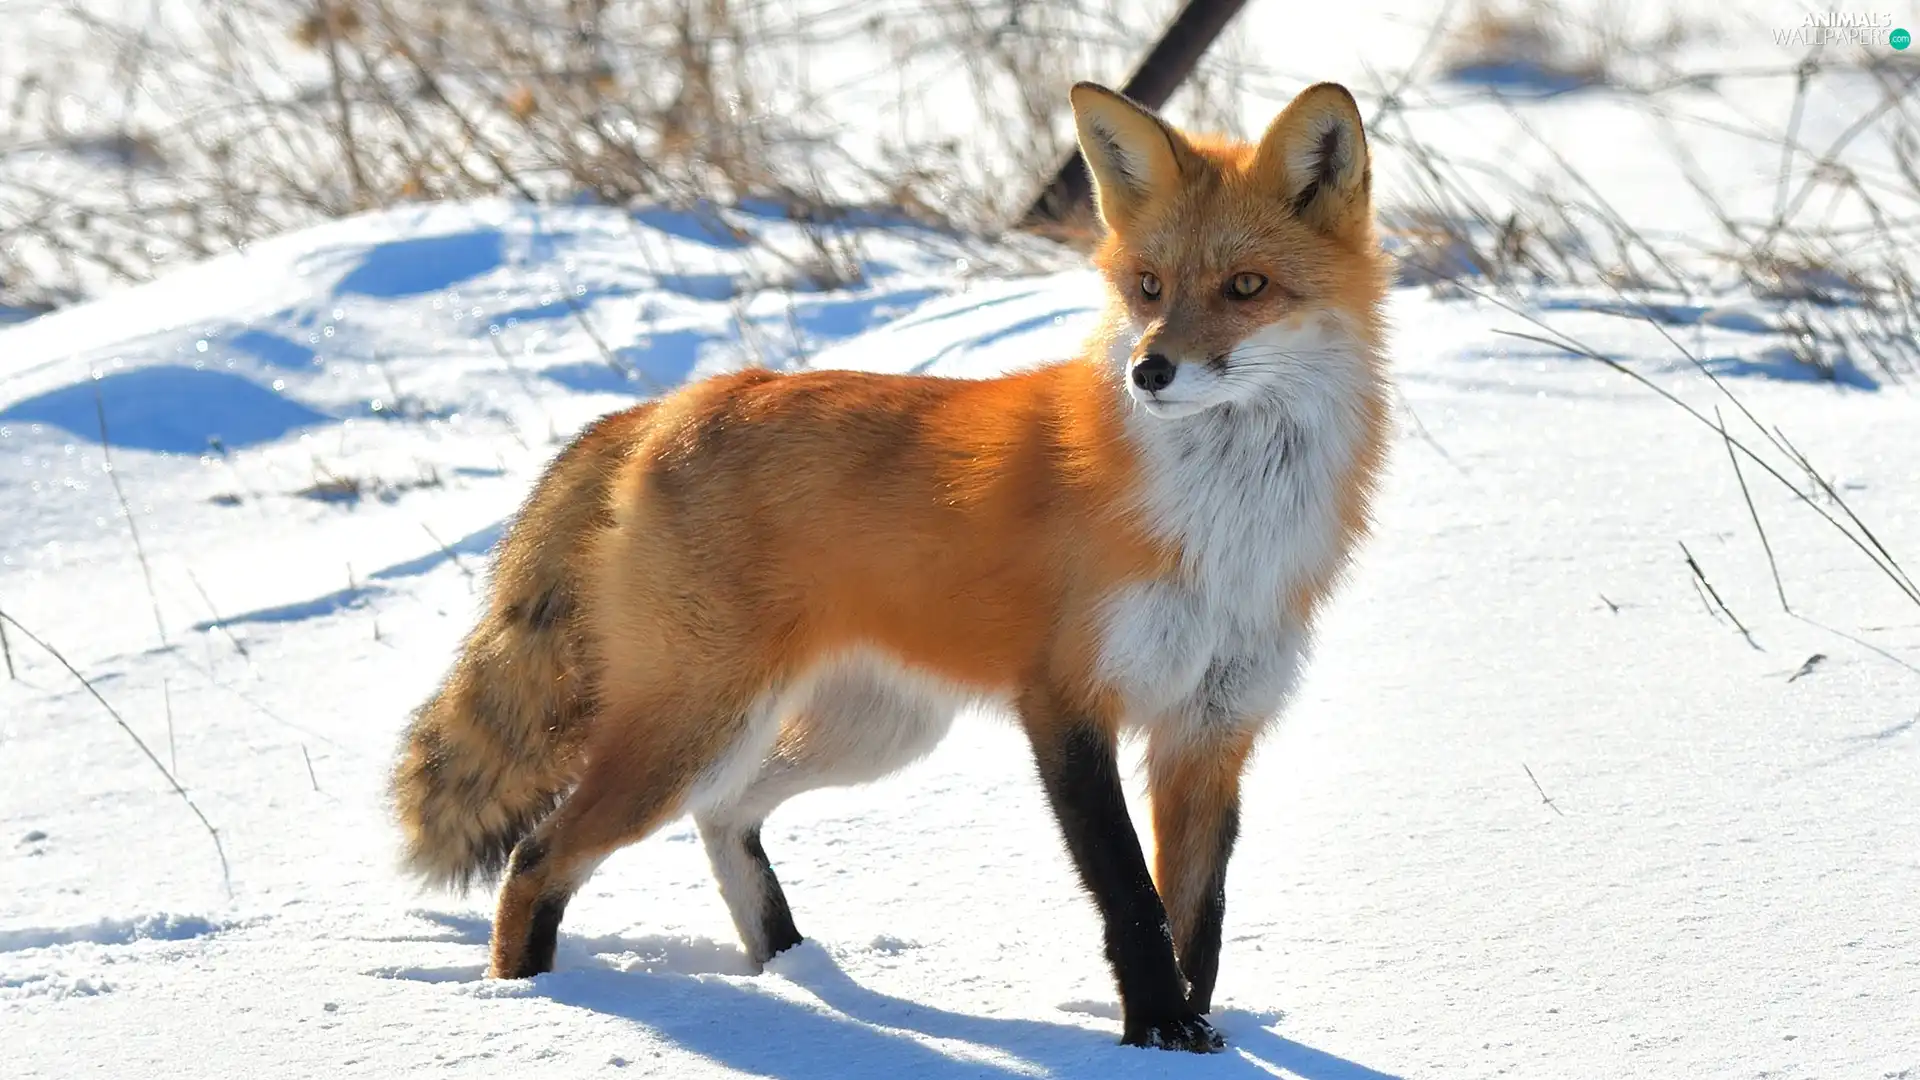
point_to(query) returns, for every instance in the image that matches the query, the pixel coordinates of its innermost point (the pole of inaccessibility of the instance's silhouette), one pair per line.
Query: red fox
(766, 583)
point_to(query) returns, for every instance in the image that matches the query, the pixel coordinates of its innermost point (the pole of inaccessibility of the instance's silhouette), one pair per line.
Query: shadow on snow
(856, 1032)
(169, 408)
(422, 264)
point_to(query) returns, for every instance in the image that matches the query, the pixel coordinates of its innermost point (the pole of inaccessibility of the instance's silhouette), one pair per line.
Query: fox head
(1246, 272)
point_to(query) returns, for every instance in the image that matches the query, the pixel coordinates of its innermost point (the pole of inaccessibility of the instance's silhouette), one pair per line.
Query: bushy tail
(494, 750)
(481, 765)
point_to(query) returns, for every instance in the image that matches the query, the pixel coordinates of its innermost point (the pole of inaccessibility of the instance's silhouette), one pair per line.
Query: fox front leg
(1193, 782)
(1081, 775)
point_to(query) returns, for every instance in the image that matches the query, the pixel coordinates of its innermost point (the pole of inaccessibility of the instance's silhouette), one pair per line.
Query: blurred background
(1652, 145)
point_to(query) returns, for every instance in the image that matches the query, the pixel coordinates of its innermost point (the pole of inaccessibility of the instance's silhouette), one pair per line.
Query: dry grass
(1845, 294)
(244, 119)
(224, 123)
(348, 489)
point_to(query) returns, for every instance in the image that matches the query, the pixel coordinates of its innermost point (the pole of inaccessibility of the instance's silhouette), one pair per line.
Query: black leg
(747, 882)
(543, 936)
(1194, 784)
(543, 920)
(1082, 781)
(776, 918)
(1200, 951)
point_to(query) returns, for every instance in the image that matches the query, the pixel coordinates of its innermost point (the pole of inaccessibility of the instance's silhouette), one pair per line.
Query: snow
(1720, 886)
(321, 436)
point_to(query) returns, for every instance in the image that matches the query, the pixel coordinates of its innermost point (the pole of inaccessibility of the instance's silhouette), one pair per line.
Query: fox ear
(1314, 156)
(1130, 151)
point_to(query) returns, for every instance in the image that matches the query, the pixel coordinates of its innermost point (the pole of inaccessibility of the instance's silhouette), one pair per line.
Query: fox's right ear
(1130, 151)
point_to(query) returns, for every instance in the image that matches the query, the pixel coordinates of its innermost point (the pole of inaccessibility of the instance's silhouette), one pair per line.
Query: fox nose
(1154, 373)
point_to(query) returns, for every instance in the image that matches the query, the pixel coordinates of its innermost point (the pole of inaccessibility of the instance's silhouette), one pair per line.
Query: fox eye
(1245, 285)
(1149, 286)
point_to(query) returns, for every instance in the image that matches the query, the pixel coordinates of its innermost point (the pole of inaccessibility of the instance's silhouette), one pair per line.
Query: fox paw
(1190, 1032)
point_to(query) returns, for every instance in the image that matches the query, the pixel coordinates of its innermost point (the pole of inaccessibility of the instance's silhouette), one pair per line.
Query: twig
(255, 704)
(1626, 234)
(1801, 460)
(1803, 75)
(1860, 641)
(430, 87)
(1420, 429)
(232, 463)
(1734, 459)
(1807, 667)
(1706, 605)
(1701, 577)
(344, 121)
(599, 343)
(7, 651)
(1543, 791)
(1889, 100)
(801, 357)
(526, 385)
(166, 695)
(402, 403)
(626, 371)
(1778, 439)
(309, 758)
(219, 623)
(106, 460)
(226, 876)
(1612, 608)
(1568, 345)
(1390, 99)
(451, 554)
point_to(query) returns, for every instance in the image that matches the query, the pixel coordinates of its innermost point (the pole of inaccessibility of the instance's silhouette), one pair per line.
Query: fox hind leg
(855, 722)
(729, 827)
(629, 789)
(751, 889)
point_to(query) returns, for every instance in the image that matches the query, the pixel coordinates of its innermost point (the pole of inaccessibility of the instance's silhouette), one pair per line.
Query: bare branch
(133, 528)
(1543, 791)
(226, 876)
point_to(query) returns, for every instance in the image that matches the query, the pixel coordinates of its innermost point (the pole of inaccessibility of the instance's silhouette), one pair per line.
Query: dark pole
(1172, 59)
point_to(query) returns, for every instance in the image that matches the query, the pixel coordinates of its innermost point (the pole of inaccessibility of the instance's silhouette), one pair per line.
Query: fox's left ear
(1314, 156)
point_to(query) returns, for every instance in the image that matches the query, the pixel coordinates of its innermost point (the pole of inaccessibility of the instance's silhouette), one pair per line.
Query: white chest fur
(1249, 490)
